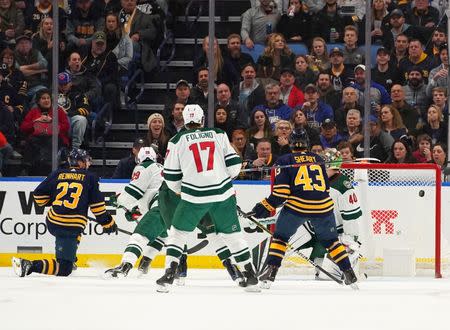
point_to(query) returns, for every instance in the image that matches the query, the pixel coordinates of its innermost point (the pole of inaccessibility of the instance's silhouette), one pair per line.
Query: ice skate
(251, 281)
(350, 279)
(234, 272)
(181, 274)
(120, 271)
(167, 279)
(268, 276)
(144, 265)
(21, 267)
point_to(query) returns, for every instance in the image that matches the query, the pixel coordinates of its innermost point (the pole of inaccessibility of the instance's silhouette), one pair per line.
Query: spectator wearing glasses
(280, 139)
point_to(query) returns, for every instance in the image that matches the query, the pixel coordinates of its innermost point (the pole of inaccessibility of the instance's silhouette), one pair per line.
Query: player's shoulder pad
(342, 184)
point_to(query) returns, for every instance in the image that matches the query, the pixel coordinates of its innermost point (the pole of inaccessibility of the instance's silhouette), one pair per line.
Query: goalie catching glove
(133, 214)
(263, 209)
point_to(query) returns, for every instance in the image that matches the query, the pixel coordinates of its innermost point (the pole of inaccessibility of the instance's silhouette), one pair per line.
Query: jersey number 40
(196, 147)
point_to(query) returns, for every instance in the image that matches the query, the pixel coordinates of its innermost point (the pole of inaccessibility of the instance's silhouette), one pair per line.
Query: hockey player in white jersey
(200, 165)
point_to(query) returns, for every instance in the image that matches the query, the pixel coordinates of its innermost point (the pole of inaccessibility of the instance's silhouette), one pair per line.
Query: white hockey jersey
(143, 187)
(200, 164)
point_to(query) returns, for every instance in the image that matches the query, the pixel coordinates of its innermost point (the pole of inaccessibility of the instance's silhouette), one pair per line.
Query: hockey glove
(110, 227)
(112, 200)
(133, 214)
(263, 209)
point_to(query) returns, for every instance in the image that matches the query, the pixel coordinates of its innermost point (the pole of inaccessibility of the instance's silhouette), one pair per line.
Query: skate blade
(162, 288)
(252, 288)
(16, 266)
(180, 281)
(113, 276)
(265, 285)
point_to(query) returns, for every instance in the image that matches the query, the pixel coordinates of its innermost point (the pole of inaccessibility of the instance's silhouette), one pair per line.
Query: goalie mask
(147, 153)
(193, 114)
(332, 158)
(299, 139)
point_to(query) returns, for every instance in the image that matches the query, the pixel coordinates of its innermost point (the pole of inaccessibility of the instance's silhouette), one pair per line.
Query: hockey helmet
(146, 153)
(76, 155)
(193, 114)
(299, 139)
(332, 158)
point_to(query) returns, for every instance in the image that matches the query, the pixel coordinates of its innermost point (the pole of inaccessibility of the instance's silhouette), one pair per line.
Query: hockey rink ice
(210, 300)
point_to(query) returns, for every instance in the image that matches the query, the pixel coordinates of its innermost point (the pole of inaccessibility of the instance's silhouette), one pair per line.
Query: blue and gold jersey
(304, 189)
(70, 192)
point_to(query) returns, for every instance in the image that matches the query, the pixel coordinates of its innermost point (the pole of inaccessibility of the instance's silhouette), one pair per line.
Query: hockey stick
(250, 217)
(120, 230)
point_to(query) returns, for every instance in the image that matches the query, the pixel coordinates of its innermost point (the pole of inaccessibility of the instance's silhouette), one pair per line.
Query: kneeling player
(69, 192)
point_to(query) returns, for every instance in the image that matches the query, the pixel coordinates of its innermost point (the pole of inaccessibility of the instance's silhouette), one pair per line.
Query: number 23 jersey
(305, 189)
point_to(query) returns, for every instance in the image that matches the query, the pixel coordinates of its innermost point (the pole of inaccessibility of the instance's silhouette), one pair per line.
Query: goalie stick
(250, 217)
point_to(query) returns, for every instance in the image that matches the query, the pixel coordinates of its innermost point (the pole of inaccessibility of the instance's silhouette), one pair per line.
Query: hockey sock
(44, 266)
(218, 244)
(277, 249)
(133, 251)
(175, 246)
(152, 249)
(339, 255)
(238, 248)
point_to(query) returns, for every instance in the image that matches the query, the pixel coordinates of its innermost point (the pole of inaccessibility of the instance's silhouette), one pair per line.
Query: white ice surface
(211, 301)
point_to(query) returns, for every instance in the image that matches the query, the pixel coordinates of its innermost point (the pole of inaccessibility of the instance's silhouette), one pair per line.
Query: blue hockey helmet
(76, 155)
(299, 139)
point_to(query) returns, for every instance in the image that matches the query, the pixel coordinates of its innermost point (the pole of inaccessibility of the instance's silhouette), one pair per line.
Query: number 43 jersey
(70, 192)
(200, 164)
(301, 182)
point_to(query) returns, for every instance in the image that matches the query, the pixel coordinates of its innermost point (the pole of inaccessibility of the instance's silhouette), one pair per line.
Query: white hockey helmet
(146, 153)
(193, 114)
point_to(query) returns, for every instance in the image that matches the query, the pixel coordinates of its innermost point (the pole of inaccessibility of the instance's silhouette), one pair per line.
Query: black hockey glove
(110, 227)
(262, 209)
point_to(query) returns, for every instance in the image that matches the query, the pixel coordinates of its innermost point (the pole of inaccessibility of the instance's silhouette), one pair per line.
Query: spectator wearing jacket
(291, 95)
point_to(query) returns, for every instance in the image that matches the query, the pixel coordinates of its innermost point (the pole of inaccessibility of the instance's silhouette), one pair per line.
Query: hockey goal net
(401, 206)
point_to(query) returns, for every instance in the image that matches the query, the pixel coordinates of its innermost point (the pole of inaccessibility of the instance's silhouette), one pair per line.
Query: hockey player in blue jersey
(302, 189)
(69, 192)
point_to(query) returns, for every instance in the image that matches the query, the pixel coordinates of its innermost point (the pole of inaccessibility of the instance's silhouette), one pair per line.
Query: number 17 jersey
(200, 164)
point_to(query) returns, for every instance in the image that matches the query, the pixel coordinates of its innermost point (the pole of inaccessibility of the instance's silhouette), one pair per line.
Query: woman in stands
(276, 56)
(303, 73)
(439, 153)
(201, 60)
(118, 42)
(298, 120)
(435, 126)
(295, 25)
(259, 127)
(380, 22)
(391, 122)
(157, 137)
(280, 141)
(221, 121)
(423, 152)
(318, 57)
(400, 153)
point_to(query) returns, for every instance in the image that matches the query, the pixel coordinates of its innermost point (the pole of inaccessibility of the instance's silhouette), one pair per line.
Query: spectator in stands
(303, 73)
(241, 146)
(380, 142)
(7, 135)
(439, 153)
(318, 58)
(295, 25)
(280, 139)
(175, 122)
(14, 76)
(12, 22)
(347, 151)
(5, 152)
(298, 121)
(392, 123)
(400, 153)
(329, 137)
(199, 93)
(84, 20)
(234, 61)
(118, 42)
(378, 94)
(416, 58)
(327, 93)
(182, 95)
(349, 101)
(37, 129)
(438, 39)
(339, 73)
(353, 55)
(236, 116)
(274, 108)
(439, 75)
(221, 120)
(409, 114)
(277, 55)
(144, 30)
(110, 6)
(317, 148)
(249, 91)
(31, 63)
(315, 110)
(435, 127)
(125, 167)
(201, 60)
(422, 14)
(400, 50)
(104, 67)
(423, 152)
(262, 161)
(259, 127)
(380, 22)
(440, 99)
(291, 95)
(398, 26)
(385, 73)
(157, 136)
(353, 129)
(258, 23)
(329, 24)
(77, 107)
(416, 91)
(43, 9)
(82, 81)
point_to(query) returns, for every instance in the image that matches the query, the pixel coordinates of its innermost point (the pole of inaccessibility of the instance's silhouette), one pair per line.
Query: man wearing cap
(315, 110)
(291, 95)
(416, 58)
(182, 95)
(329, 137)
(339, 73)
(353, 55)
(126, 165)
(103, 65)
(378, 94)
(76, 105)
(385, 73)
